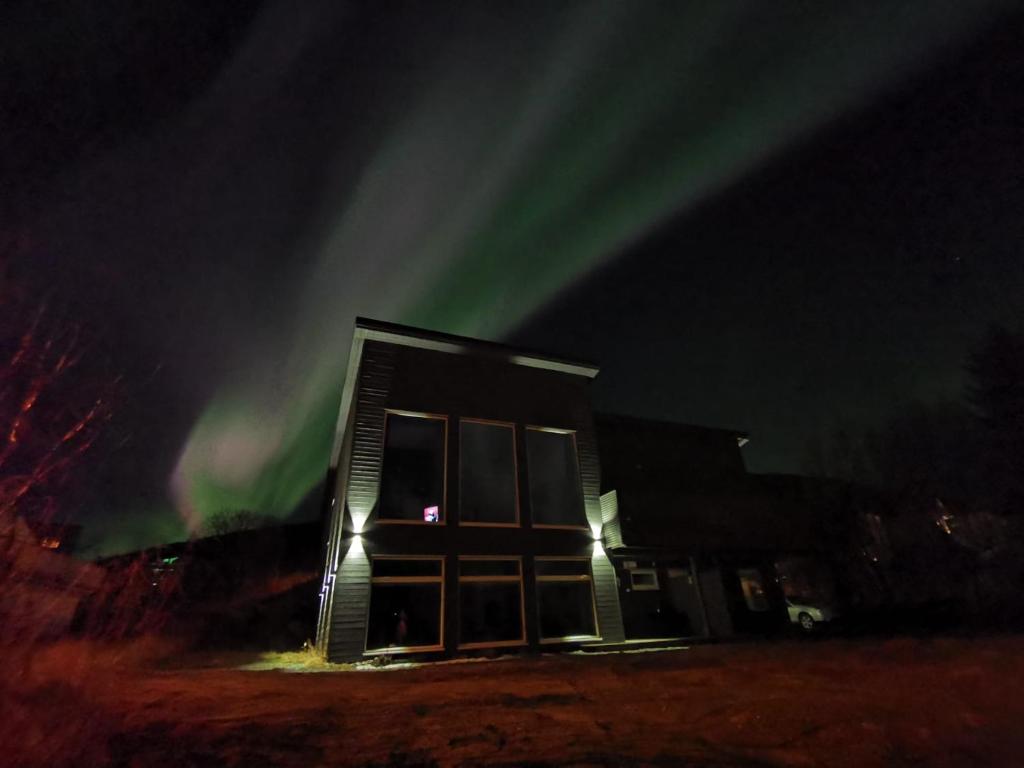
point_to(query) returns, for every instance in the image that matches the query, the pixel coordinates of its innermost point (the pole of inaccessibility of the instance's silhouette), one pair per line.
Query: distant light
(356, 545)
(598, 549)
(48, 542)
(431, 514)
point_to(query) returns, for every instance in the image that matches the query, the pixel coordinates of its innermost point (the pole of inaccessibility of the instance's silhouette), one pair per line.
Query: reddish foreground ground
(944, 702)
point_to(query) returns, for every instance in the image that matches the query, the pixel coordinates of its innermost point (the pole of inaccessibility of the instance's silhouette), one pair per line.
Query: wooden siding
(347, 630)
(348, 577)
(375, 375)
(606, 598)
(612, 530)
(606, 588)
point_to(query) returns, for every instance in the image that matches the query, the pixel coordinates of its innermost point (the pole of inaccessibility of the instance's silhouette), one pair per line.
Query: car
(809, 615)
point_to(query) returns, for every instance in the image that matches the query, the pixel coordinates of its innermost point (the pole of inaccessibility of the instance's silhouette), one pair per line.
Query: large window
(412, 479)
(490, 602)
(406, 604)
(556, 497)
(565, 600)
(487, 473)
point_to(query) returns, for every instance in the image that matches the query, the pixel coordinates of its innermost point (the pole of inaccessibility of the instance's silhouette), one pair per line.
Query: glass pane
(489, 613)
(404, 615)
(562, 567)
(555, 494)
(488, 567)
(566, 608)
(385, 567)
(752, 584)
(412, 481)
(487, 473)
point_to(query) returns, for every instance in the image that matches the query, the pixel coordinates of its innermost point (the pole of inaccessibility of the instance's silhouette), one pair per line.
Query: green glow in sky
(519, 168)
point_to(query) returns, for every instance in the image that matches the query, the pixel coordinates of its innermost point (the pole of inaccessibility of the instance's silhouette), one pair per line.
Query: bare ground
(902, 702)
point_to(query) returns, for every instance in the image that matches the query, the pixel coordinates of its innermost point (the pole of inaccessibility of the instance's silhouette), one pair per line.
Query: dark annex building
(470, 511)
(701, 547)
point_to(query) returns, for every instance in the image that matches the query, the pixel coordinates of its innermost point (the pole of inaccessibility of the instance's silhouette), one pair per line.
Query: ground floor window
(406, 604)
(565, 599)
(754, 592)
(643, 579)
(490, 602)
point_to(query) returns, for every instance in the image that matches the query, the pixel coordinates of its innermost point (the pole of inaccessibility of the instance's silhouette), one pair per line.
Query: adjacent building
(701, 548)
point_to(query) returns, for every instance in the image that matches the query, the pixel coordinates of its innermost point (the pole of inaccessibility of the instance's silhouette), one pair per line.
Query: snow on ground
(941, 702)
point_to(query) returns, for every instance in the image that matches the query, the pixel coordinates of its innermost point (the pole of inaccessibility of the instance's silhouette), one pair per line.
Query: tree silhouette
(57, 394)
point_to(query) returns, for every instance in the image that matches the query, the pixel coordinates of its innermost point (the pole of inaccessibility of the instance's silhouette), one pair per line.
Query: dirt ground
(941, 702)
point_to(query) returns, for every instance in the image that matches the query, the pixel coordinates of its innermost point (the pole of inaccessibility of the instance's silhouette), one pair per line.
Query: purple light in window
(431, 514)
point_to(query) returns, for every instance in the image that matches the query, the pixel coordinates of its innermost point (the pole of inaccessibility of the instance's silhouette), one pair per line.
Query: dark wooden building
(695, 540)
(466, 511)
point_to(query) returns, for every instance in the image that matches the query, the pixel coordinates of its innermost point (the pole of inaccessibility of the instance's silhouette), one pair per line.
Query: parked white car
(807, 615)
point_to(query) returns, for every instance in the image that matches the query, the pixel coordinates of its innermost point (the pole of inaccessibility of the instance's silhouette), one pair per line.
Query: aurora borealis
(456, 170)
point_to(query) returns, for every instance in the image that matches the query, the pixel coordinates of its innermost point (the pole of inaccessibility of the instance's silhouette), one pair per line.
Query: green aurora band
(503, 184)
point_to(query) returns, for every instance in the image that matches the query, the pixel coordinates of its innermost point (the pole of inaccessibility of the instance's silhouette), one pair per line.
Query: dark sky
(765, 219)
(847, 278)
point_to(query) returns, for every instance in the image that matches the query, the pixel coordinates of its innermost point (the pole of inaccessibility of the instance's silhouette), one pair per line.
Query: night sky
(769, 219)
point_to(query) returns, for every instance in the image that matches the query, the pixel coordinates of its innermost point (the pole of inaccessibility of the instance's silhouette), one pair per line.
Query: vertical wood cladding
(349, 581)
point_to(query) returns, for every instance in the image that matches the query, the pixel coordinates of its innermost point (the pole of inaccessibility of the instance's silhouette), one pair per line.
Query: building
(701, 547)
(465, 512)
(470, 511)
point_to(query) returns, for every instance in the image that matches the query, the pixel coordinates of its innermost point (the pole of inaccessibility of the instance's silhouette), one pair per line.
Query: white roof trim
(439, 345)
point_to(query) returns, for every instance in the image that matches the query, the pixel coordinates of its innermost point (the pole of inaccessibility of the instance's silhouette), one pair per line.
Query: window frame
(656, 587)
(444, 468)
(385, 580)
(585, 525)
(587, 578)
(493, 580)
(515, 474)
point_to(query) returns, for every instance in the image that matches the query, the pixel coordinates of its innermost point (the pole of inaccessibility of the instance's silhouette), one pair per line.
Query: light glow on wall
(360, 515)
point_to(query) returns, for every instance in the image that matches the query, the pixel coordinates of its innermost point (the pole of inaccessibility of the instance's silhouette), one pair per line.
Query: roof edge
(608, 416)
(409, 336)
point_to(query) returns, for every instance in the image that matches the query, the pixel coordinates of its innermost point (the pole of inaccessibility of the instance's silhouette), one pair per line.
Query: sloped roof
(447, 342)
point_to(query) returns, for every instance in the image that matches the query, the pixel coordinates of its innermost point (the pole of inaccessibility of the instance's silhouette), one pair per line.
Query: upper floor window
(412, 478)
(487, 473)
(556, 496)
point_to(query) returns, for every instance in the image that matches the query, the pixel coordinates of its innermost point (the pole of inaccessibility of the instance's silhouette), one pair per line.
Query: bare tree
(57, 393)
